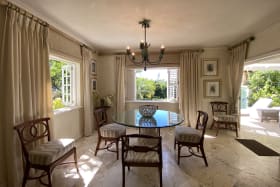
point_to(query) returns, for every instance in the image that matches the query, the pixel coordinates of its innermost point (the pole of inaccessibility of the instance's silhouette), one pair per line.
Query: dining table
(160, 119)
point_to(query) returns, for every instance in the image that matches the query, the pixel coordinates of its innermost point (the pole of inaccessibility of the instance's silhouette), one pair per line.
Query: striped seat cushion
(142, 157)
(226, 118)
(112, 130)
(187, 134)
(46, 153)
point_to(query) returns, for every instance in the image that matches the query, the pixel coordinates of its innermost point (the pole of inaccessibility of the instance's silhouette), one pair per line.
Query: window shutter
(172, 84)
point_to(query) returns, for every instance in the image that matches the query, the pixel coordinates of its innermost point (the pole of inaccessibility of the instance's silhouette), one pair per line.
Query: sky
(154, 74)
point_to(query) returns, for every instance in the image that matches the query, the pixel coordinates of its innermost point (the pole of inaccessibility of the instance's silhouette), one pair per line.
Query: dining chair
(40, 152)
(222, 118)
(192, 137)
(109, 132)
(135, 154)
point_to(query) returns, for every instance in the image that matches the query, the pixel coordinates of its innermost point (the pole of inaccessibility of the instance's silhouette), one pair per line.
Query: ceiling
(111, 25)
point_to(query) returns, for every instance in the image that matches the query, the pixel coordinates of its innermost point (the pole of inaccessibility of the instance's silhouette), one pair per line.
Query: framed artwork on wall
(210, 67)
(93, 68)
(93, 85)
(212, 88)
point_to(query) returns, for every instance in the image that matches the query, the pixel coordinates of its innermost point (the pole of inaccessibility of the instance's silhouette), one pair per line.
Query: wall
(106, 84)
(223, 56)
(68, 124)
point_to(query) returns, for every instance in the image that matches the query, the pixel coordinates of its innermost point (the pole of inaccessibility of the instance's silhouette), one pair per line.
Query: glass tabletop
(161, 119)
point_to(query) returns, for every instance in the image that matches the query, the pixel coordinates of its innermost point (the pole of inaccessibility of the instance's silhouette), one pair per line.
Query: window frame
(75, 79)
(167, 85)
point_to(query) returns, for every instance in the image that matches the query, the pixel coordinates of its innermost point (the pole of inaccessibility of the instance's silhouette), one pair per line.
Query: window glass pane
(62, 84)
(156, 84)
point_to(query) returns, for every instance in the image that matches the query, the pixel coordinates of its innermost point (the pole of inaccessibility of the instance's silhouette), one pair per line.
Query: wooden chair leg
(25, 176)
(236, 127)
(160, 176)
(179, 152)
(174, 143)
(49, 177)
(97, 145)
(117, 147)
(213, 123)
(75, 159)
(217, 131)
(203, 154)
(123, 176)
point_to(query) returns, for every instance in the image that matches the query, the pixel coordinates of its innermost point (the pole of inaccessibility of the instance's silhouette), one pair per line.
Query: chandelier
(144, 49)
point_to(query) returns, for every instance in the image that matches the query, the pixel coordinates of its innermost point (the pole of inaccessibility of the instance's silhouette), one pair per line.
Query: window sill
(66, 109)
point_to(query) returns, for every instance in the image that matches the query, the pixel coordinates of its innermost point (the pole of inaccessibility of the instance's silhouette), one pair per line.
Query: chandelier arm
(138, 63)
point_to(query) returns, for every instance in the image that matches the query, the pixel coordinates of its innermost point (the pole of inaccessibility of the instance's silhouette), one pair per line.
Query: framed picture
(93, 85)
(210, 67)
(93, 67)
(212, 88)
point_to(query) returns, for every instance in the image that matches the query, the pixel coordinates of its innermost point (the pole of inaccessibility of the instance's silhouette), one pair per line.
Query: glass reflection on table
(161, 119)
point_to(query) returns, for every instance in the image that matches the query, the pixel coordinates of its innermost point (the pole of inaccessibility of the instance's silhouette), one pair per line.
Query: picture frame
(212, 88)
(93, 85)
(93, 68)
(210, 67)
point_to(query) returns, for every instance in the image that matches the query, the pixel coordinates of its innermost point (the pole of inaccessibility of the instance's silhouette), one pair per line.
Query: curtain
(25, 85)
(88, 98)
(235, 72)
(188, 86)
(120, 83)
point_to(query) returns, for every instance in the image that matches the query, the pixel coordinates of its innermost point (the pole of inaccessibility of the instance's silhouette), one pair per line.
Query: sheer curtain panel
(120, 83)
(88, 97)
(25, 84)
(235, 72)
(188, 85)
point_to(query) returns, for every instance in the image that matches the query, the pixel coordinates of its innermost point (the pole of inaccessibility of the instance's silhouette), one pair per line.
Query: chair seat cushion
(112, 130)
(226, 118)
(187, 134)
(142, 157)
(46, 153)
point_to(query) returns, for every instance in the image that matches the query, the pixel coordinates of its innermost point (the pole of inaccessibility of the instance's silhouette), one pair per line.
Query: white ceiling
(111, 25)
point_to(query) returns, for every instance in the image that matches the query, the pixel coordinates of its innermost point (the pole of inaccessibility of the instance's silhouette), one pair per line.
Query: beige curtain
(235, 72)
(88, 102)
(120, 83)
(188, 85)
(25, 85)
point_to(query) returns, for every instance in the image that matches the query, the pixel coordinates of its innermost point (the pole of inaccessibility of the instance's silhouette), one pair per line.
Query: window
(157, 84)
(64, 78)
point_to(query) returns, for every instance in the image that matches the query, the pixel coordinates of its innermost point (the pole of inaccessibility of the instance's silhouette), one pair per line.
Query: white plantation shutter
(68, 84)
(172, 84)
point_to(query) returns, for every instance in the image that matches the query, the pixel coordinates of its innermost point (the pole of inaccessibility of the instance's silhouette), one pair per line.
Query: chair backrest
(132, 142)
(201, 122)
(219, 107)
(33, 132)
(100, 115)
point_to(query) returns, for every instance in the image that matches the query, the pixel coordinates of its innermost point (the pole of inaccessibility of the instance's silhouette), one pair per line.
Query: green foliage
(264, 84)
(150, 89)
(56, 73)
(57, 103)
(56, 78)
(160, 91)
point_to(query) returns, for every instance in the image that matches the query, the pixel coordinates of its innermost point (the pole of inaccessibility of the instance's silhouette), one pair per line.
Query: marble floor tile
(230, 163)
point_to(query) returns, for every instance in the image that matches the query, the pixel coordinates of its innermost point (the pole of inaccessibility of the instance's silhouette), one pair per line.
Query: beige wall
(69, 124)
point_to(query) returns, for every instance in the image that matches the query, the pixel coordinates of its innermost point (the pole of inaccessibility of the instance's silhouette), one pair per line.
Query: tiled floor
(230, 163)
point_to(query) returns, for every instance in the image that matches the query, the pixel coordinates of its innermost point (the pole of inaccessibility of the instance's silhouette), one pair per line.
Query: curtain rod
(251, 38)
(27, 14)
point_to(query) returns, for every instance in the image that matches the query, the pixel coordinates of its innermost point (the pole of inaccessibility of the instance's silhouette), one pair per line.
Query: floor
(230, 163)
